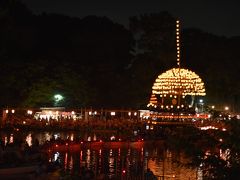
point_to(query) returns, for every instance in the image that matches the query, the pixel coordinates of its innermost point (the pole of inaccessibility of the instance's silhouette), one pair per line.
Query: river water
(126, 161)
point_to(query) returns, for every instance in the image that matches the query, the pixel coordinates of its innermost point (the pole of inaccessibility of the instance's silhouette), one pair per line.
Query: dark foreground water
(128, 162)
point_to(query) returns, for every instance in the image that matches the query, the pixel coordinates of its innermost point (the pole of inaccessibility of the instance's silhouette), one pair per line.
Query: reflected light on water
(110, 152)
(72, 137)
(56, 156)
(111, 165)
(5, 140)
(66, 161)
(129, 152)
(29, 139)
(11, 139)
(119, 151)
(113, 161)
(88, 158)
(134, 160)
(71, 163)
(94, 137)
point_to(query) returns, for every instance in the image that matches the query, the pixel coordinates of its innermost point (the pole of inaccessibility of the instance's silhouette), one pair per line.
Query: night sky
(219, 17)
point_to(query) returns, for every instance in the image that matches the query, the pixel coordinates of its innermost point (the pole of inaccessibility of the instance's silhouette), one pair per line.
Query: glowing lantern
(174, 81)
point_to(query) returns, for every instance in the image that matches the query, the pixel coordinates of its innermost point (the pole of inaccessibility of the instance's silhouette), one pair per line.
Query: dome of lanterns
(174, 83)
(179, 81)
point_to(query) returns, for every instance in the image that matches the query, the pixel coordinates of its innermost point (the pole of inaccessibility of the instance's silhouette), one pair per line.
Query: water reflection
(29, 139)
(132, 162)
(115, 162)
(11, 139)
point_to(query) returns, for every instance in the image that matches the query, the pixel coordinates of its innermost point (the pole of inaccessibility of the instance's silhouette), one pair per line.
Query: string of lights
(176, 82)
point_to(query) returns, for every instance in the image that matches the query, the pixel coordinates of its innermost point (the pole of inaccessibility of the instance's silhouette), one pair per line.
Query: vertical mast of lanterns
(178, 42)
(178, 59)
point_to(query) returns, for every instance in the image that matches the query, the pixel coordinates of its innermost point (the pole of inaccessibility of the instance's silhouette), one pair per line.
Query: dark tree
(155, 52)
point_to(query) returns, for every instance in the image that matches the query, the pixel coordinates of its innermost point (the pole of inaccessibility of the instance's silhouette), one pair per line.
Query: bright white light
(29, 112)
(200, 100)
(226, 108)
(113, 113)
(56, 156)
(13, 111)
(58, 97)
(112, 138)
(55, 136)
(208, 127)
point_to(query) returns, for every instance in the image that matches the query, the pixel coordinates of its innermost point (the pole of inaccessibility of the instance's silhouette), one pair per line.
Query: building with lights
(176, 88)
